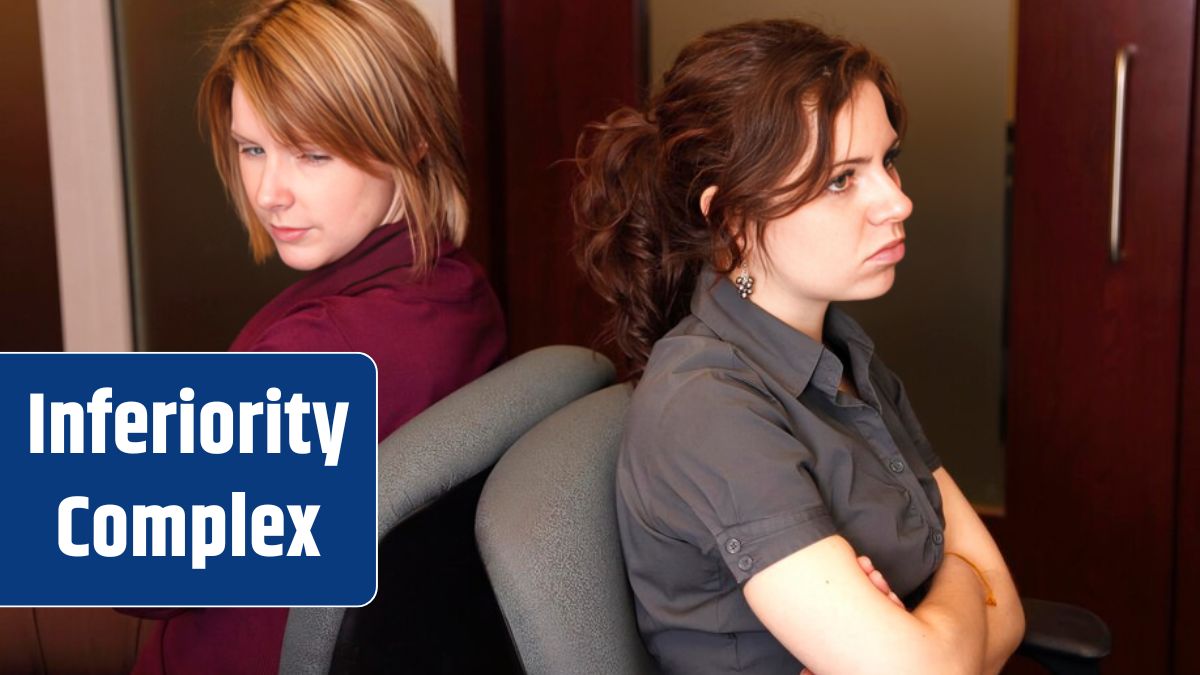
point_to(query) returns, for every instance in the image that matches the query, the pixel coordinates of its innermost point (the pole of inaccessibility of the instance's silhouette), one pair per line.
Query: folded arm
(967, 536)
(833, 618)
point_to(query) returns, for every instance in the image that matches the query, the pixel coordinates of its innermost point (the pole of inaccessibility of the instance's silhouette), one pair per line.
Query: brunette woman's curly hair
(738, 110)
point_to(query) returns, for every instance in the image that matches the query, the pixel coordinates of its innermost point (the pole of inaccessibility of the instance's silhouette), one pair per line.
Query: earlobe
(706, 198)
(421, 152)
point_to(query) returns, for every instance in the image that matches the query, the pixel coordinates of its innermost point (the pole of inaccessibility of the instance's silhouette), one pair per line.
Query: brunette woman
(334, 126)
(779, 504)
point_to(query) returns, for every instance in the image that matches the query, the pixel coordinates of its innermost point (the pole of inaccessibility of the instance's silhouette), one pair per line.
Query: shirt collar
(789, 356)
(386, 248)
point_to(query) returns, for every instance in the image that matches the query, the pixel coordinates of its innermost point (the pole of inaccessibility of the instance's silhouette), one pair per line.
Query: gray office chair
(425, 463)
(547, 532)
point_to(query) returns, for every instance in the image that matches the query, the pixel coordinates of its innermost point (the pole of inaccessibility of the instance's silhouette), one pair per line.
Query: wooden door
(1094, 375)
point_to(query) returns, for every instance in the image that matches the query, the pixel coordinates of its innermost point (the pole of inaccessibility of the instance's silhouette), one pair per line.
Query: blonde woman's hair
(361, 79)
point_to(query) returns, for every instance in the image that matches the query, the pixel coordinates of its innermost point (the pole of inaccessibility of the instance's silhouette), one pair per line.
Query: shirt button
(896, 466)
(745, 563)
(938, 538)
(733, 546)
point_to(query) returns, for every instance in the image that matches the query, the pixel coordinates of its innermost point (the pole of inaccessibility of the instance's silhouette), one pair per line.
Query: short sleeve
(308, 329)
(720, 470)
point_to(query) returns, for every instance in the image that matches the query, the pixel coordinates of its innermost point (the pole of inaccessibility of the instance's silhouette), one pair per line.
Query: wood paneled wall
(85, 640)
(532, 74)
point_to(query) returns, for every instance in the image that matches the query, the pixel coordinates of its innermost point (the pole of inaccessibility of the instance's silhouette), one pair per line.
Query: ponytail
(620, 205)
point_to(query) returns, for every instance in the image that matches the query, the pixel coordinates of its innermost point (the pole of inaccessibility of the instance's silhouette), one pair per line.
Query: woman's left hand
(877, 580)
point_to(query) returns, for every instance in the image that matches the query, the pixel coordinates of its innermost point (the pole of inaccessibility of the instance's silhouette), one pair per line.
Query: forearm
(966, 535)
(954, 611)
(1005, 620)
(1003, 615)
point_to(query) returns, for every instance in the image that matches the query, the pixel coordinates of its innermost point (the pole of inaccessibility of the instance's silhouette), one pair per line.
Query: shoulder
(700, 409)
(692, 371)
(307, 327)
(708, 455)
(452, 300)
(454, 280)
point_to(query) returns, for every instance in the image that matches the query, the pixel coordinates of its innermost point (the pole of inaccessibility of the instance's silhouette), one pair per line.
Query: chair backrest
(453, 441)
(547, 532)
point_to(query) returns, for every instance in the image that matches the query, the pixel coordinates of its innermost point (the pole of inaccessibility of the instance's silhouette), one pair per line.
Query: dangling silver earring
(744, 283)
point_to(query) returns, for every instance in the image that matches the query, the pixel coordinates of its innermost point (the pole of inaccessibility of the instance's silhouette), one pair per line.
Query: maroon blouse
(428, 337)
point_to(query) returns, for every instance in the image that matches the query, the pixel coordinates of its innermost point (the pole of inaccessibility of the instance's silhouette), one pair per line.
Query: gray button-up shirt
(739, 450)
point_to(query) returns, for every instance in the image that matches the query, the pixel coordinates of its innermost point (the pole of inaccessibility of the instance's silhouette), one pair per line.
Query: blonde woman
(335, 130)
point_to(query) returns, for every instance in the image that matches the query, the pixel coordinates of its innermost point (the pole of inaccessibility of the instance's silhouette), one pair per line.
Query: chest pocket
(882, 520)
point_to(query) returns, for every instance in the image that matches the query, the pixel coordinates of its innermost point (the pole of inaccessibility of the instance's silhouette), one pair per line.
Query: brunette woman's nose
(891, 205)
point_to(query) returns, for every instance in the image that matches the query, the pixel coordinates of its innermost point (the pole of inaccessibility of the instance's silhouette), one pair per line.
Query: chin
(298, 261)
(876, 287)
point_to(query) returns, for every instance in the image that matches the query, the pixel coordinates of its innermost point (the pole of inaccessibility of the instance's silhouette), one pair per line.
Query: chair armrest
(1064, 638)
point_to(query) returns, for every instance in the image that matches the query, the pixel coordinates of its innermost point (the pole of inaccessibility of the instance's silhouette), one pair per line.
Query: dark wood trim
(29, 259)
(1187, 514)
(476, 55)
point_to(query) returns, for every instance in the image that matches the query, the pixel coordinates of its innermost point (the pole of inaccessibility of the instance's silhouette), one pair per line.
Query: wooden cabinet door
(1094, 344)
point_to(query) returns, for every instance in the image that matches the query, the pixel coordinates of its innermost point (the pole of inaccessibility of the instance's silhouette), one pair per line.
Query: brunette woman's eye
(841, 182)
(250, 150)
(315, 157)
(889, 159)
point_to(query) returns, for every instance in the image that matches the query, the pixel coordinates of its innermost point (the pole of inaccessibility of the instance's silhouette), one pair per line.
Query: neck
(804, 315)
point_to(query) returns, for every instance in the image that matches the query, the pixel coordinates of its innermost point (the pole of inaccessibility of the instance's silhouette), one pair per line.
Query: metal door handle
(1114, 219)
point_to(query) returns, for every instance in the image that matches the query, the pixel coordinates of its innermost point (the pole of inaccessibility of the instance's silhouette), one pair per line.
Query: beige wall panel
(85, 161)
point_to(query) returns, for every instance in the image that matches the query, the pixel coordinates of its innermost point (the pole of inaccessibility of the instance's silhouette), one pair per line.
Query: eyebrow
(866, 160)
(240, 138)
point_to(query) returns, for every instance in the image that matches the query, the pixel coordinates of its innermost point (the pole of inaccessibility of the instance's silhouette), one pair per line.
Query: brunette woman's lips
(287, 234)
(892, 253)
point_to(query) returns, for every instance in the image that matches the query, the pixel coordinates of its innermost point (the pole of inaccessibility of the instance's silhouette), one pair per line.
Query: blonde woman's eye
(251, 151)
(841, 182)
(315, 157)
